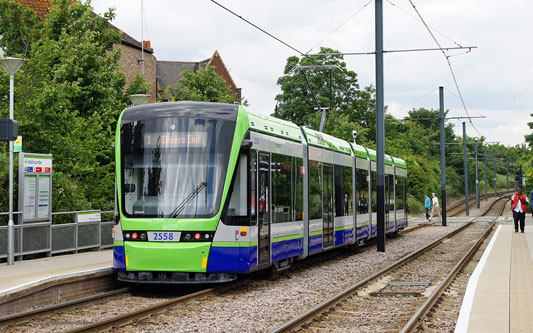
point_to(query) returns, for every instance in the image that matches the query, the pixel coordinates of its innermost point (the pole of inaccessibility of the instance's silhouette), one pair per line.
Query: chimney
(146, 44)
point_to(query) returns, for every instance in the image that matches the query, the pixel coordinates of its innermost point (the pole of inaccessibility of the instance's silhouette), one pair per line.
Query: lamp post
(138, 99)
(11, 66)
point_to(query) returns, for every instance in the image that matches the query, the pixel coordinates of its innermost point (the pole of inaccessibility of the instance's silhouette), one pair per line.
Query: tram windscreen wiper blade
(176, 212)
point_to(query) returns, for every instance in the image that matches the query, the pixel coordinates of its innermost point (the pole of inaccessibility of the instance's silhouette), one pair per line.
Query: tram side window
(340, 200)
(347, 190)
(238, 209)
(362, 191)
(282, 185)
(315, 190)
(391, 193)
(298, 172)
(373, 201)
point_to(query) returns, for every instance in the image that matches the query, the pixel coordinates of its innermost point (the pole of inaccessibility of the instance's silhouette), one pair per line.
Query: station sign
(35, 187)
(17, 144)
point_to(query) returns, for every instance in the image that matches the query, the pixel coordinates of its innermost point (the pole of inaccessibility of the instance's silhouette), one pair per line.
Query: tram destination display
(175, 139)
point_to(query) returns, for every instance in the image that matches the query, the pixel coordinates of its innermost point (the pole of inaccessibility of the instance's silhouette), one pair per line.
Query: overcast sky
(495, 79)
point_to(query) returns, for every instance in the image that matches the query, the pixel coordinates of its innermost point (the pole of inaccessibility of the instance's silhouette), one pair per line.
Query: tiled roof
(42, 8)
(168, 71)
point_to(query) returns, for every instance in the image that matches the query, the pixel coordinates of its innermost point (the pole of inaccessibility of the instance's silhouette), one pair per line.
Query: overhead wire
(258, 28)
(470, 106)
(417, 99)
(414, 18)
(448, 61)
(340, 25)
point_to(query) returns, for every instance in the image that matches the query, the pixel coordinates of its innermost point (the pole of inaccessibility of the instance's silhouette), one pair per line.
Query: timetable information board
(35, 187)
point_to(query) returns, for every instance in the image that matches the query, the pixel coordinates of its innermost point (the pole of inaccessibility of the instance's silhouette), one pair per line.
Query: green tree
(333, 85)
(529, 137)
(296, 101)
(205, 85)
(68, 96)
(138, 86)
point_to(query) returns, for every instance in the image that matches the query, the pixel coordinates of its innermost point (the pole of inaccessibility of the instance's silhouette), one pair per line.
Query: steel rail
(416, 227)
(123, 319)
(453, 209)
(55, 307)
(324, 306)
(506, 198)
(473, 197)
(413, 322)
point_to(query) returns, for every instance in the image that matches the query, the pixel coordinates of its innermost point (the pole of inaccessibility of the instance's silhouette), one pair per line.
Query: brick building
(132, 50)
(159, 74)
(168, 73)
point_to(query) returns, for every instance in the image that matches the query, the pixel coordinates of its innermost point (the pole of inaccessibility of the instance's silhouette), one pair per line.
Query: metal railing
(54, 238)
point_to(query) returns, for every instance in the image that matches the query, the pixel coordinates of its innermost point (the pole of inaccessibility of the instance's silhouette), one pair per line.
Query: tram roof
(373, 156)
(359, 150)
(322, 140)
(274, 126)
(399, 162)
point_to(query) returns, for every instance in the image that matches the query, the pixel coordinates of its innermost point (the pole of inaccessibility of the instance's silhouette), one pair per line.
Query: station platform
(31, 284)
(499, 295)
(28, 273)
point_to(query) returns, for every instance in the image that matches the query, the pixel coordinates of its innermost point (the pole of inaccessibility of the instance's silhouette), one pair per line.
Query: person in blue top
(428, 206)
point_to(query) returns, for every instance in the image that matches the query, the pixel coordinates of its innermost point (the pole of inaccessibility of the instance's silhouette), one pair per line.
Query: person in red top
(519, 203)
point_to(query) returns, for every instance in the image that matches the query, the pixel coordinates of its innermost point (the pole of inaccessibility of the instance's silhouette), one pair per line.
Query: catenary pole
(477, 180)
(380, 128)
(486, 171)
(466, 169)
(494, 154)
(507, 170)
(10, 224)
(442, 157)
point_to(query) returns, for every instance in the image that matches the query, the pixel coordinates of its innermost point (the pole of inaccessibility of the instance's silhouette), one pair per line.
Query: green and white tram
(207, 191)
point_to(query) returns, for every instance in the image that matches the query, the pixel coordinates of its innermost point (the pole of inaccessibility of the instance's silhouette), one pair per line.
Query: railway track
(495, 208)
(78, 315)
(459, 207)
(399, 294)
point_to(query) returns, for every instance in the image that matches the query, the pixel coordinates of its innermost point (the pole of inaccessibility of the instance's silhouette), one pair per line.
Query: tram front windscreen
(174, 167)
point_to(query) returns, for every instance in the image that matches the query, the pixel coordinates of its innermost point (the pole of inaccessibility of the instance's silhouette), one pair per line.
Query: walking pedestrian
(435, 209)
(519, 209)
(427, 205)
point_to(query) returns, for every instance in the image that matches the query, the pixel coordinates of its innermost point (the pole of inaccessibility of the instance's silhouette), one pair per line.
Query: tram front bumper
(168, 257)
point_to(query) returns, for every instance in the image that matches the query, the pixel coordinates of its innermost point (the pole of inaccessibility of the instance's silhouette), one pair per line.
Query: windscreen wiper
(176, 212)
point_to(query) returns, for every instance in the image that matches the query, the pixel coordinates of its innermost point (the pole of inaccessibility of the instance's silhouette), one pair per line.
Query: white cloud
(495, 78)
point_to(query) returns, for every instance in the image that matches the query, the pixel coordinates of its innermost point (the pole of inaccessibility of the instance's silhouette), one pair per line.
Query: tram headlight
(135, 235)
(197, 236)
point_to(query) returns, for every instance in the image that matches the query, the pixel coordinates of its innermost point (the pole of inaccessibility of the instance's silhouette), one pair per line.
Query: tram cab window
(238, 208)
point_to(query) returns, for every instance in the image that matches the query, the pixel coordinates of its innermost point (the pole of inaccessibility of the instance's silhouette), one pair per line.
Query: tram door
(264, 209)
(328, 205)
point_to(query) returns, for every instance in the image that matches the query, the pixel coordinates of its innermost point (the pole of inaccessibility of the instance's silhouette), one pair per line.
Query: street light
(138, 99)
(11, 66)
